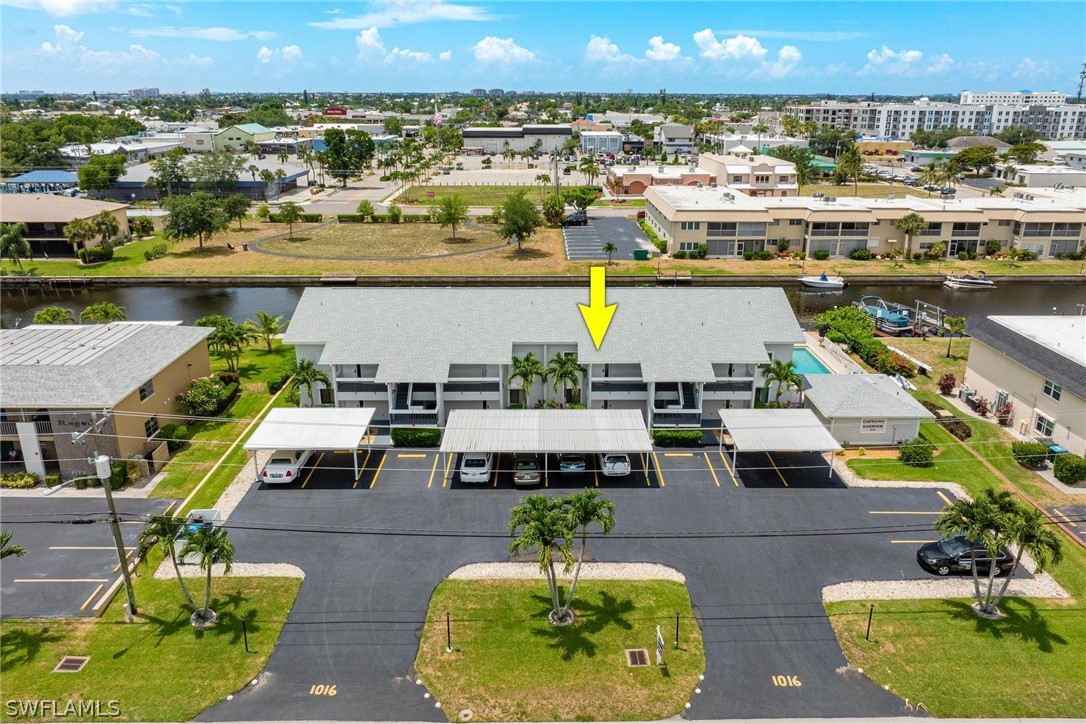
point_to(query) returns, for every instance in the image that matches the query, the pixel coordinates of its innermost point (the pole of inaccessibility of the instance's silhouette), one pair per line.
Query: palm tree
(1029, 530)
(851, 164)
(547, 529)
(783, 374)
(253, 169)
(912, 223)
(584, 509)
(609, 248)
(265, 326)
(13, 243)
(106, 225)
(54, 315)
(589, 168)
(954, 326)
(211, 545)
(1009, 172)
(103, 313)
(564, 370)
(980, 520)
(527, 369)
(283, 156)
(544, 180)
(6, 549)
(952, 175)
(931, 175)
(266, 177)
(304, 373)
(508, 153)
(760, 128)
(162, 531)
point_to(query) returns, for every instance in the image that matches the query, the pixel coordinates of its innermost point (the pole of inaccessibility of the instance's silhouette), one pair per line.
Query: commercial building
(674, 138)
(134, 148)
(753, 175)
(46, 215)
(40, 182)
(633, 180)
(542, 138)
(731, 223)
(675, 355)
(622, 121)
(132, 185)
(1038, 365)
(864, 410)
(232, 138)
(601, 142)
(128, 374)
(1032, 175)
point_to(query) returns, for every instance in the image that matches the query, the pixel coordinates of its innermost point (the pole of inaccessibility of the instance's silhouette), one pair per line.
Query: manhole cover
(637, 657)
(71, 664)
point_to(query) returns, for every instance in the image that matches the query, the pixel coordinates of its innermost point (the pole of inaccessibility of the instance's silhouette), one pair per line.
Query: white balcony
(462, 390)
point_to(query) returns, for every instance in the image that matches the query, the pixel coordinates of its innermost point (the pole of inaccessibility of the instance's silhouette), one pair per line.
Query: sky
(856, 48)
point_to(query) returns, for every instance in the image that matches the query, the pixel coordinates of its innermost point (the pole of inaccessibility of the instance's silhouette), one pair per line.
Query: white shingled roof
(545, 431)
(770, 430)
(414, 334)
(312, 428)
(862, 396)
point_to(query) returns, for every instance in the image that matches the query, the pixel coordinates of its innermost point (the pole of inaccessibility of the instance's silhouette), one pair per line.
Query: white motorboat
(968, 281)
(823, 282)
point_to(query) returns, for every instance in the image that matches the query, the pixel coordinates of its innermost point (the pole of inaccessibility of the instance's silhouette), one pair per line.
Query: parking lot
(785, 469)
(71, 557)
(1073, 518)
(586, 242)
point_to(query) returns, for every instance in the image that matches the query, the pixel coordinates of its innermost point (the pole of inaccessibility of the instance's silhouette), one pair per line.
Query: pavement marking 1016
(315, 465)
(678, 455)
(782, 680)
(91, 597)
(433, 470)
(362, 469)
(659, 472)
(715, 478)
(728, 467)
(88, 548)
(779, 473)
(378, 471)
(61, 580)
(946, 500)
(448, 466)
(410, 455)
(323, 690)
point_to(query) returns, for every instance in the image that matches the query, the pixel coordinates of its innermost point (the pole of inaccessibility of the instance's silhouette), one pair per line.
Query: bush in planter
(677, 438)
(861, 254)
(917, 453)
(1005, 414)
(983, 406)
(1029, 454)
(175, 436)
(416, 436)
(822, 254)
(18, 480)
(1069, 468)
(947, 383)
(203, 398)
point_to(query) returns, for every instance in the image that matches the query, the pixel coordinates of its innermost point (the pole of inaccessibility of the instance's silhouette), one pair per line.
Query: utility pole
(1081, 82)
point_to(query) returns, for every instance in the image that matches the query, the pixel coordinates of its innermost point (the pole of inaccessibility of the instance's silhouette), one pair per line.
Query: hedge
(416, 436)
(350, 218)
(861, 254)
(1029, 454)
(303, 219)
(18, 480)
(175, 436)
(96, 254)
(276, 382)
(1069, 469)
(821, 254)
(53, 479)
(958, 428)
(917, 453)
(677, 438)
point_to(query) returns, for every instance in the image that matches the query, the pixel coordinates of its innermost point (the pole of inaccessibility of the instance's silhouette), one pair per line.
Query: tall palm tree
(305, 374)
(851, 164)
(588, 166)
(280, 174)
(952, 175)
(253, 170)
(6, 549)
(527, 369)
(265, 326)
(564, 371)
(1030, 533)
(1009, 172)
(912, 223)
(546, 528)
(162, 531)
(954, 326)
(544, 180)
(931, 175)
(103, 313)
(211, 545)
(584, 509)
(609, 248)
(13, 243)
(979, 520)
(784, 375)
(283, 156)
(106, 225)
(759, 128)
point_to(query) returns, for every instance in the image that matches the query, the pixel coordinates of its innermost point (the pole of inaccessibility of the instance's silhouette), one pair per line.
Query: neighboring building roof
(45, 177)
(1052, 346)
(772, 430)
(675, 131)
(480, 326)
(530, 130)
(312, 428)
(861, 396)
(50, 208)
(740, 149)
(137, 175)
(550, 431)
(251, 128)
(87, 365)
(973, 141)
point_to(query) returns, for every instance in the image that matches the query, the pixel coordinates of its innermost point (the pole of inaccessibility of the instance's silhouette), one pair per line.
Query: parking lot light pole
(101, 466)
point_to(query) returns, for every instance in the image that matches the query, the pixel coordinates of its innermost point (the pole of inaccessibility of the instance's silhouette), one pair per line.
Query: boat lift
(899, 320)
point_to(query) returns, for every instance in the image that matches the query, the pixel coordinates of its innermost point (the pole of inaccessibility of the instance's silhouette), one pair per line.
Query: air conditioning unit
(712, 186)
(700, 184)
(889, 197)
(830, 199)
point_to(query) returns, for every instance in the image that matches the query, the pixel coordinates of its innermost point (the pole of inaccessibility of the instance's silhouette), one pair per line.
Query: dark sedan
(576, 219)
(571, 464)
(952, 555)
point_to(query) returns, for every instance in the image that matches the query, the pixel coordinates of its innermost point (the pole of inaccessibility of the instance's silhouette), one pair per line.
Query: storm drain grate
(71, 664)
(637, 657)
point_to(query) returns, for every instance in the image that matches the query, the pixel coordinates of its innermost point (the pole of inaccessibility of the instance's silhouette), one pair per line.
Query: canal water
(191, 301)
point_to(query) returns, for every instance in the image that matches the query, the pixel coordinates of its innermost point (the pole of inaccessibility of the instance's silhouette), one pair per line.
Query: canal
(191, 301)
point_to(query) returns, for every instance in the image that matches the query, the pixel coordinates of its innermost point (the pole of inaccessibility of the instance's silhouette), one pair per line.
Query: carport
(547, 432)
(785, 430)
(313, 428)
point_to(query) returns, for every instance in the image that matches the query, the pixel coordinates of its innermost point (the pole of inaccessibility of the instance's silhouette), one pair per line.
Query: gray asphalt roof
(1066, 371)
(86, 365)
(415, 334)
(862, 396)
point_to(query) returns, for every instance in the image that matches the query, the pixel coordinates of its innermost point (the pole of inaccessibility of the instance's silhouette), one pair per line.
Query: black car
(952, 555)
(576, 219)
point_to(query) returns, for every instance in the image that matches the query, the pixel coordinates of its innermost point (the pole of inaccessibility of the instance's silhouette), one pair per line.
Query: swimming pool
(807, 363)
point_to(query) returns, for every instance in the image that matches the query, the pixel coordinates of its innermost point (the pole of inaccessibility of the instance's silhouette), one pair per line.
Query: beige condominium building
(53, 378)
(1038, 365)
(731, 223)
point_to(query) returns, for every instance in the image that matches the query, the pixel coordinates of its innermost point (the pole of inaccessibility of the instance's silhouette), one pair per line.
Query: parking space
(502, 476)
(1073, 518)
(583, 242)
(785, 470)
(334, 470)
(71, 556)
(694, 468)
(586, 242)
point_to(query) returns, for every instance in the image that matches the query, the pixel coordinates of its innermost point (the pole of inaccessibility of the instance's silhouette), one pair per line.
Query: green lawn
(932, 351)
(952, 464)
(509, 664)
(474, 195)
(384, 241)
(159, 668)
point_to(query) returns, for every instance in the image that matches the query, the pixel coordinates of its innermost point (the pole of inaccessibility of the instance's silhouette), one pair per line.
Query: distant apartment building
(137, 93)
(478, 92)
(496, 92)
(1004, 98)
(752, 174)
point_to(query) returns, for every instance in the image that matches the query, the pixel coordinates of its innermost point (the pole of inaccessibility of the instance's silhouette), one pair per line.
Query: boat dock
(898, 320)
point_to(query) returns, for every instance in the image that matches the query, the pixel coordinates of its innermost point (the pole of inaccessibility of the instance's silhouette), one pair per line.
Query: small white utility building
(864, 409)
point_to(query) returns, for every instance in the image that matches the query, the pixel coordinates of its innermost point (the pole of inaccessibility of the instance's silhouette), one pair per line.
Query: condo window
(688, 246)
(150, 427)
(1053, 390)
(690, 225)
(1043, 425)
(795, 222)
(147, 389)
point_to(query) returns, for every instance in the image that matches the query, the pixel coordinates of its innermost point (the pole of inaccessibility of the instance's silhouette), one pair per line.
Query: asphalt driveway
(587, 242)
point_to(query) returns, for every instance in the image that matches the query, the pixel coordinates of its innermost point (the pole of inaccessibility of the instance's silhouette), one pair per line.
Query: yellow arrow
(597, 313)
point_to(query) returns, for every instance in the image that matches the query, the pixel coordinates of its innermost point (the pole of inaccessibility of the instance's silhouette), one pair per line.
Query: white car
(476, 468)
(614, 465)
(284, 466)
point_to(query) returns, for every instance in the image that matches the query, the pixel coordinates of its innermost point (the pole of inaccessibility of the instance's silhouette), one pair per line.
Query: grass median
(509, 664)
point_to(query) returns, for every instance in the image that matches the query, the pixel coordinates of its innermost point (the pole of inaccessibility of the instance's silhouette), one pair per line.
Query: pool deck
(830, 355)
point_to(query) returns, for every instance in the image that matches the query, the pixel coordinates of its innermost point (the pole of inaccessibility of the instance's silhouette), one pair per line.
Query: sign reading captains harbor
(872, 425)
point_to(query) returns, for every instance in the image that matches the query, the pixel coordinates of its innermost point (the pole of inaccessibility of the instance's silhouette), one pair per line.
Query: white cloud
(885, 61)
(110, 60)
(493, 49)
(389, 13)
(285, 54)
(941, 64)
(372, 49)
(65, 38)
(1030, 68)
(148, 10)
(197, 60)
(788, 58)
(417, 56)
(740, 47)
(64, 8)
(446, 55)
(600, 49)
(265, 54)
(661, 51)
(814, 36)
(216, 33)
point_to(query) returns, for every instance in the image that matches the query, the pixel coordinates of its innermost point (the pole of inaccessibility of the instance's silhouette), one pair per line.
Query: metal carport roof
(312, 428)
(545, 431)
(785, 430)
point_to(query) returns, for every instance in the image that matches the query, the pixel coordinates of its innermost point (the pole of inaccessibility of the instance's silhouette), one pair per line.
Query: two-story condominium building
(677, 355)
(1038, 365)
(129, 374)
(731, 223)
(752, 174)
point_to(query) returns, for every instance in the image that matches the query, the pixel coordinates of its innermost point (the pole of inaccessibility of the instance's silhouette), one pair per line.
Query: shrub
(1069, 469)
(703, 251)
(276, 381)
(53, 479)
(175, 436)
(936, 251)
(958, 428)
(303, 219)
(983, 406)
(748, 255)
(350, 218)
(395, 213)
(228, 393)
(679, 255)
(81, 484)
(227, 377)
(155, 252)
(203, 398)
(947, 383)
(96, 254)
(1029, 454)
(783, 244)
(18, 480)
(263, 212)
(917, 453)
(763, 255)
(861, 254)
(963, 256)
(822, 254)
(416, 436)
(677, 438)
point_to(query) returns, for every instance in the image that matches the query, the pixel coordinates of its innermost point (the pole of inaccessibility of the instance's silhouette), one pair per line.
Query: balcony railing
(730, 386)
(412, 417)
(619, 386)
(472, 387)
(676, 418)
(44, 427)
(8, 428)
(361, 387)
